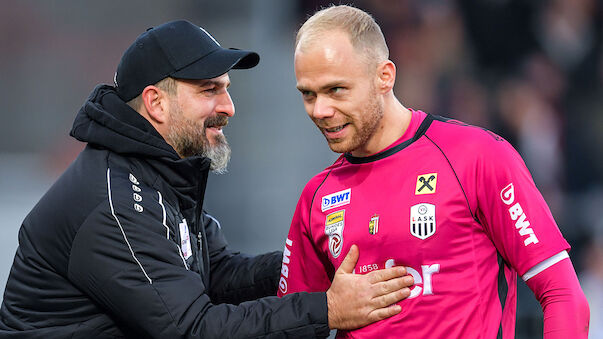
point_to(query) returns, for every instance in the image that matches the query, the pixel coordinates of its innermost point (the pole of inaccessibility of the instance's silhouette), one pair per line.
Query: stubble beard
(189, 139)
(365, 127)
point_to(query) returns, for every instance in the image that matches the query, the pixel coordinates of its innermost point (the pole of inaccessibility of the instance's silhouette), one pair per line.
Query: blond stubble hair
(364, 33)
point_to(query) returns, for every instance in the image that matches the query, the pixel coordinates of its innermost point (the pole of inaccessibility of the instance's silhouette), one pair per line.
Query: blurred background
(531, 71)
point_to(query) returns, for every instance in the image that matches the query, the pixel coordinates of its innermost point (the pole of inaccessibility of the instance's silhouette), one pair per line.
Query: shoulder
(468, 141)
(317, 180)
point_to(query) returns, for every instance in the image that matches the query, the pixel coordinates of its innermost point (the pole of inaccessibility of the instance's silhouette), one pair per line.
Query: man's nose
(225, 105)
(322, 108)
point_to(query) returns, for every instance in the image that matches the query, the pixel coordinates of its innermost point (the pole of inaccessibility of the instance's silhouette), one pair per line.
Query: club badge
(374, 224)
(334, 224)
(422, 220)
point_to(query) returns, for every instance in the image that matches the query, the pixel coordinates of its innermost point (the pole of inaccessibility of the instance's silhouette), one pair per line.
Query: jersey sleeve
(558, 290)
(303, 268)
(511, 209)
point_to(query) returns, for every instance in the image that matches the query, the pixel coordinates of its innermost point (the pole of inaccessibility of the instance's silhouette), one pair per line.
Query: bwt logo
(522, 224)
(336, 199)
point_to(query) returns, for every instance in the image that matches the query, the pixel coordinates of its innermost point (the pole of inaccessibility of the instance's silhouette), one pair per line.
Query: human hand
(356, 300)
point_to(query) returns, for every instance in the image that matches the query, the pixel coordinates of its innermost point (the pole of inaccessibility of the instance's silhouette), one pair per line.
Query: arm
(237, 277)
(565, 308)
(133, 270)
(524, 232)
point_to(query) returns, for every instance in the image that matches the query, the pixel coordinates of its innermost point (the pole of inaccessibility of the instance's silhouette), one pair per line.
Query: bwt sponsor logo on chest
(507, 196)
(336, 199)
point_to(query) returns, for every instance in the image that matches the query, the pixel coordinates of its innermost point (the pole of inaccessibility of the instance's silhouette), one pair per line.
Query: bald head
(363, 32)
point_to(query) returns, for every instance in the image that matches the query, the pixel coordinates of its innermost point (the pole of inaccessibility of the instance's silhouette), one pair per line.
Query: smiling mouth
(335, 129)
(216, 122)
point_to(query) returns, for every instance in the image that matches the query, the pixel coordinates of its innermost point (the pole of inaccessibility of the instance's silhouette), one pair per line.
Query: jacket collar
(106, 121)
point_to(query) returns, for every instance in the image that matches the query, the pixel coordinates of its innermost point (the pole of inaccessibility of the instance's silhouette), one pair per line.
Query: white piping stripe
(167, 230)
(543, 265)
(121, 228)
(214, 219)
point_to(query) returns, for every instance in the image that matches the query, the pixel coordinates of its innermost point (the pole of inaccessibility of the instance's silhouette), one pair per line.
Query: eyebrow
(337, 83)
(209, 82)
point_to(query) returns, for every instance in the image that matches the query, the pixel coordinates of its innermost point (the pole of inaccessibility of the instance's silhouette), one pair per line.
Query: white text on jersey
(521, 223)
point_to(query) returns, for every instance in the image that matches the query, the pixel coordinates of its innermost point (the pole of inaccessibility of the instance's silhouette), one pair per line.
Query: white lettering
(531, 239)
(515, 211)
(416, 290)
(282, 284)
(522, 225)
(427, 272)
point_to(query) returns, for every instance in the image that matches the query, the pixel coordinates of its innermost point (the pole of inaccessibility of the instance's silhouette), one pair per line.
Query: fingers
(391, 291)
(384, 313)
(387, 299)
(349, 262)
(386, 274)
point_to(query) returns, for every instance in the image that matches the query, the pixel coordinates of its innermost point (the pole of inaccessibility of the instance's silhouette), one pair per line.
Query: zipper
(200, 256)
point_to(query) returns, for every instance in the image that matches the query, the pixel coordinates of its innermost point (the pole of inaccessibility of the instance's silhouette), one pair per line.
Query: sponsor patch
(334, 224)
(426, 183)
(422, 220)
(185, 240)
(336, 199)
(522, 224)
(374, 224)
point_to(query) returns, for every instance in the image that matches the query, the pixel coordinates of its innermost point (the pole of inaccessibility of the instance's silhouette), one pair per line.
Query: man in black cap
(120, 245)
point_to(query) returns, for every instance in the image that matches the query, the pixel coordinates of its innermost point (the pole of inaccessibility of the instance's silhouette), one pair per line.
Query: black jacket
(105, 253)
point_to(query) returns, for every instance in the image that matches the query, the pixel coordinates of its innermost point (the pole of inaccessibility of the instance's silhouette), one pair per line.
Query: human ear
(155, 102)
(386, 76)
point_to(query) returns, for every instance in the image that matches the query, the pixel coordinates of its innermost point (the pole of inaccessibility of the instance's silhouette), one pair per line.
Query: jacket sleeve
(123, 258)
(237, 277)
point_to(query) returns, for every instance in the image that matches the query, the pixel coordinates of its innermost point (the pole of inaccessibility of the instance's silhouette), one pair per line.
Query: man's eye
(336, 89)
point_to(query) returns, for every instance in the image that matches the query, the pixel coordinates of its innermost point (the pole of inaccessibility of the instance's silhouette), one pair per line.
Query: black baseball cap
(177, 49)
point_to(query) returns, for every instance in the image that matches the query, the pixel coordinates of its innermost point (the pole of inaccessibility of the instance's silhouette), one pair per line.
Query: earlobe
(154, 101)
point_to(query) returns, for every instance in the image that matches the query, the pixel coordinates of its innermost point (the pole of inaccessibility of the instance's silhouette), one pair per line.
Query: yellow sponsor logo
(334, 218)
(426, 183)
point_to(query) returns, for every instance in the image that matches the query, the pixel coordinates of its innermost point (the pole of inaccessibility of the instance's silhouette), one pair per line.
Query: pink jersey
(453, 203)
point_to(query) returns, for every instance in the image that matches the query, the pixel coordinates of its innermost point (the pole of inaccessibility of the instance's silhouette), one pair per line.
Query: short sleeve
(511, 208)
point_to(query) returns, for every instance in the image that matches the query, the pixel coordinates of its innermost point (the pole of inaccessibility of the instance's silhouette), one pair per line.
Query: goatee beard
(189, 139)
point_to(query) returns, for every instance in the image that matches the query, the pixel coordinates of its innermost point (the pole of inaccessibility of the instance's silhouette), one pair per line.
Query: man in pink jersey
(453, 203)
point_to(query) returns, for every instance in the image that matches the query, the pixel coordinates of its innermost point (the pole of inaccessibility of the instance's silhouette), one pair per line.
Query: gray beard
(219, 155)
(188, 138)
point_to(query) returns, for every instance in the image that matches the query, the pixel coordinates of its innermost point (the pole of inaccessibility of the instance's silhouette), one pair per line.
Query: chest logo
(336, 199)
(426, 183)
(334, 224)
(422, 220)
(374, 224)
